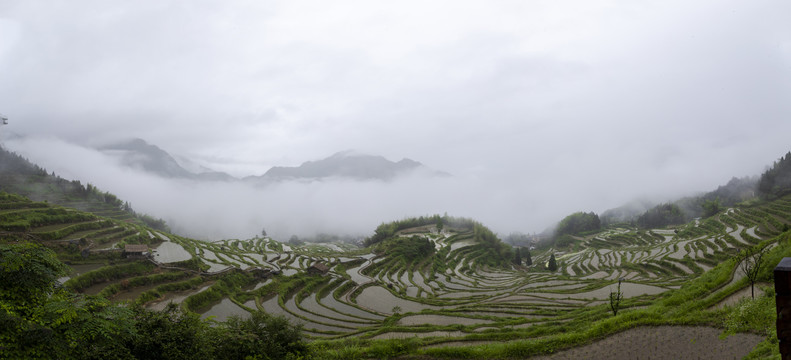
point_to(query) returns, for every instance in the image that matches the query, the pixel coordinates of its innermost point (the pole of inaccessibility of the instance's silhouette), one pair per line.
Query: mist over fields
(336, 205)
(506, 201)
(536, 109)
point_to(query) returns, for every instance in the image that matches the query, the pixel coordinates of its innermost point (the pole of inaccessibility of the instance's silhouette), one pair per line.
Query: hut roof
(134, 248)
(321, 267)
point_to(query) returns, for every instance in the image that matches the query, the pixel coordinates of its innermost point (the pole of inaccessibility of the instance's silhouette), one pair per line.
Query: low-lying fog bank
(507, 200)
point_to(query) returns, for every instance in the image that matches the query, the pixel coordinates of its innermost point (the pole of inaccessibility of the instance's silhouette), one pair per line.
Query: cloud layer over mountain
(537, 108)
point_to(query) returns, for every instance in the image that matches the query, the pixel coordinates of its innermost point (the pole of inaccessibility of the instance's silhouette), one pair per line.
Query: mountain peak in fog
(348, 164)
(139, 154)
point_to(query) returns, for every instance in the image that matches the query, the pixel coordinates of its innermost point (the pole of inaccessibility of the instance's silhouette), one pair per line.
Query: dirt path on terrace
(744, 292)
(664, 342)
(655, 343)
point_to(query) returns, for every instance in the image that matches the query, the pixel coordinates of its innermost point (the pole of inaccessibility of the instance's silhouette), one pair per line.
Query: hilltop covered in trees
(577, 223)
(708, 204)
(20, 176)
(776, 181)
(499, 253)
(662, 215)
(646, 214)
(387, 230)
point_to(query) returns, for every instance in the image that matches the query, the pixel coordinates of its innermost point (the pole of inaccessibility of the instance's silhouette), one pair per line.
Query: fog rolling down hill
(140, 155)
(349, 194)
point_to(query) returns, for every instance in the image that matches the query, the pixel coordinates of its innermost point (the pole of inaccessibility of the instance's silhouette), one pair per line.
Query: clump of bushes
(108, 273)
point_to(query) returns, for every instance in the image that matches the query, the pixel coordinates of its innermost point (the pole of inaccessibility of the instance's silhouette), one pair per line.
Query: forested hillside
(777, 180)
(20, 176)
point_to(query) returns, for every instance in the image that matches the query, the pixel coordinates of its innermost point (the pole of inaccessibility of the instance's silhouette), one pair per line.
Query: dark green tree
(564, 241)
(170, 334)
(409, 249)
(777, 180)
(262, 336)
(28, 274)
(662, 215)
(39, 319)
(518, 257)
(577, 223)
(389, 230)
(295, 241)
(528, 258)
(615, 299)
(552, 265)
(711, 207)
(500, 252)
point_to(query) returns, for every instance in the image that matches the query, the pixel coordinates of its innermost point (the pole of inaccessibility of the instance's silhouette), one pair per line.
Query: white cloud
(625, 98)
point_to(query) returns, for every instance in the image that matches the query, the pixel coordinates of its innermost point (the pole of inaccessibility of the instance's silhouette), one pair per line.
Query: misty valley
(407, 180)
(424, 287)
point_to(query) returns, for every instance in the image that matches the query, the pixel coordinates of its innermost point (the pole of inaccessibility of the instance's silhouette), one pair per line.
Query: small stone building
(318, 268)
(135, 251)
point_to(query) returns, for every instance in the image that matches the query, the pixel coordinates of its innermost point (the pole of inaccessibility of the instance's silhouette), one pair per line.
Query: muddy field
(664, 342)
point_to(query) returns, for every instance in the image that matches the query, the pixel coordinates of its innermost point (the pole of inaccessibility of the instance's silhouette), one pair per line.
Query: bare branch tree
(615, 299)
(750, 262)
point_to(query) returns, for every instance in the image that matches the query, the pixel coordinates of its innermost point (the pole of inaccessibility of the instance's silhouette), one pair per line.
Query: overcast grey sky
(586, 104)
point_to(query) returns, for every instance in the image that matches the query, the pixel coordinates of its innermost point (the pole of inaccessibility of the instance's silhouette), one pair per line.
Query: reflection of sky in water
(224, 309)
(168, 252)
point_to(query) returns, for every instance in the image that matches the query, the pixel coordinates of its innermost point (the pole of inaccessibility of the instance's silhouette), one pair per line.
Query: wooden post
(783, 303)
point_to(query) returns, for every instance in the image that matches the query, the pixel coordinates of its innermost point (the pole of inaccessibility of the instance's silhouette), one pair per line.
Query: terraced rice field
(449, 296)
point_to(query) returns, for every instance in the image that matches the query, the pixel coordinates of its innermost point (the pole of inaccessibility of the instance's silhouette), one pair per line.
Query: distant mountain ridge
(347, 164)
(137, 153)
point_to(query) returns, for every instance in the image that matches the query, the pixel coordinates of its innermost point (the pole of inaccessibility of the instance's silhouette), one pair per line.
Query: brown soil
(664, 342)
(745, 292)
(655, 343)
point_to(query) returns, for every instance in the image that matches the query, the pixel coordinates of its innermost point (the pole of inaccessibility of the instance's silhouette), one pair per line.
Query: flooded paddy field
(170, 252)
(79, 269)
(225, 309)
(175, 297)
(336, 292)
